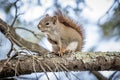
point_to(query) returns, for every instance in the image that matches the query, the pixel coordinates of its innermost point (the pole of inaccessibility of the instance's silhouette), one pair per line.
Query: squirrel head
(48, 23)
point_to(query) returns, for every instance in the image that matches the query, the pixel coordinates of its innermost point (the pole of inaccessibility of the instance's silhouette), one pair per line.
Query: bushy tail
(70, 23)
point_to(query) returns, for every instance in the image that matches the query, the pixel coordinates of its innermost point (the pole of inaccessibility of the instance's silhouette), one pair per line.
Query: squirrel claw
(63, 51)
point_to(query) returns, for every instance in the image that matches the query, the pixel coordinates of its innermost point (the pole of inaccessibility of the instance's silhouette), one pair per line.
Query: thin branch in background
(115, 1)
(16, 53)
(8, 54)
(36, 35)
(117, 76)
(67, 75)
(16, 11)
(110, 78)
(98, 75)
(39, 2)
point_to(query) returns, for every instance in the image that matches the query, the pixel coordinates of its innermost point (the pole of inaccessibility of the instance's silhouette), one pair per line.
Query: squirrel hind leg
(72, 46)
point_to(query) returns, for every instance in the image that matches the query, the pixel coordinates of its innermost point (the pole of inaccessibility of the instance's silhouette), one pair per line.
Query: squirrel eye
(47, 23)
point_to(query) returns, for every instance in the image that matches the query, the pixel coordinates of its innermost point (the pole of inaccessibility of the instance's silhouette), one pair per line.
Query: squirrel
(62, 32)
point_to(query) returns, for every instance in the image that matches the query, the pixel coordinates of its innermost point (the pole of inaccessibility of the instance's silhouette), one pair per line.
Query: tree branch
(16, 11)
(70, 62)
(99, 76)
(36, 35)
(18, 66)
(10, 32)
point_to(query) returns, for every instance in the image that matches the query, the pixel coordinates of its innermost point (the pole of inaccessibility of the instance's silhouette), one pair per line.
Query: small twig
(51, 71)
(34, 66)
(16, 53)
(110, 78)
(8, 35)
(16, 11)
(16, 72)
(98, 75)
(36, 35)
(56, 66)
(63, 71)
(8, 54)
(8, 59)
(68, 71)
(44, 70)
(59, 67)
(107, 11)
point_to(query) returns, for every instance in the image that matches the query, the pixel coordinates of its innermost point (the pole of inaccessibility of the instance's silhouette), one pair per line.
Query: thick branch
(10, 32)
(74, 62)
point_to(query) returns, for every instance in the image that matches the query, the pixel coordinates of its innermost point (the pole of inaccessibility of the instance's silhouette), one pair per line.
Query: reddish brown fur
(70, 23)
(62, 32)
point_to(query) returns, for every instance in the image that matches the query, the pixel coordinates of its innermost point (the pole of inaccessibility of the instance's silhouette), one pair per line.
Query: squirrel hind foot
(61, 52)
(64, 51)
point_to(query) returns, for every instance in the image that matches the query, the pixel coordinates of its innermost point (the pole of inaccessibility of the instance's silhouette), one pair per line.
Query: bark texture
(75, 61)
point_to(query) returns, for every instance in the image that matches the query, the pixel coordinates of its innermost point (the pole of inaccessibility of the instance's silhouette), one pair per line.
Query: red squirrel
(63, 33)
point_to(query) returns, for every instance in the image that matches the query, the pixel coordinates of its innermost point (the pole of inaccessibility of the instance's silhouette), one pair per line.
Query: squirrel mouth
(43, 30)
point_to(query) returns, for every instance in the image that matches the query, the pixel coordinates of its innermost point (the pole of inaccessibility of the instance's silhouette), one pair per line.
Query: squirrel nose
(39, 26)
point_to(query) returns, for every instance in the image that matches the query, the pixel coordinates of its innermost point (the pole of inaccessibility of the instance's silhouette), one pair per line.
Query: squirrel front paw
(63, 51)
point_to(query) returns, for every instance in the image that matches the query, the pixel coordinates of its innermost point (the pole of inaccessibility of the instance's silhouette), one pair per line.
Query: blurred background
(99, 18)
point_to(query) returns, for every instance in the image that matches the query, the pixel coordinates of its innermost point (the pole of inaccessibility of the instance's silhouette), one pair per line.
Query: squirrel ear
(54, 19)
(47, 15)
